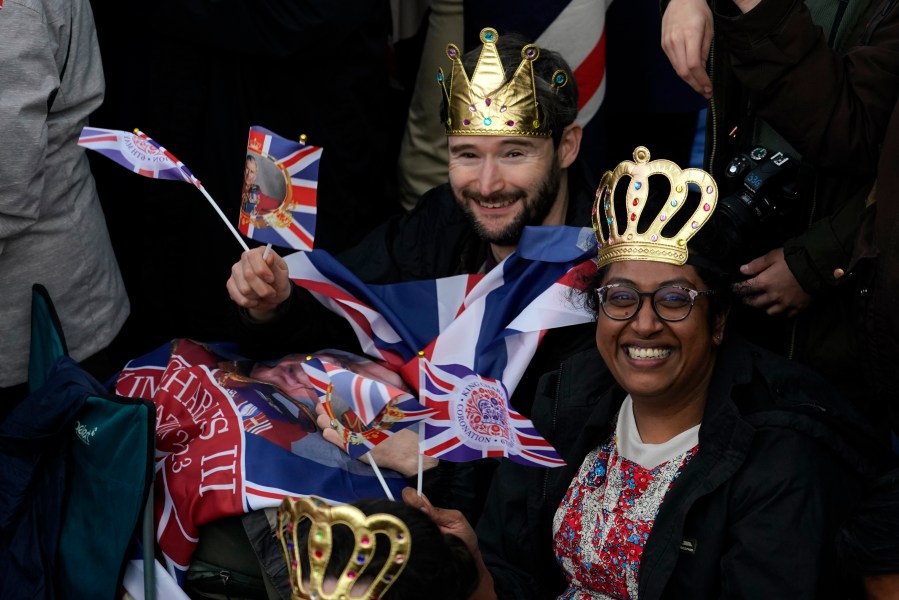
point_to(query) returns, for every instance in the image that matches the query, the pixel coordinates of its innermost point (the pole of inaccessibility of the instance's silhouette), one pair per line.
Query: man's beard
(533, 213)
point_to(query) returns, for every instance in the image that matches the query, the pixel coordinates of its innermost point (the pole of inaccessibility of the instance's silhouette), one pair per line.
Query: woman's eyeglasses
(671, 302)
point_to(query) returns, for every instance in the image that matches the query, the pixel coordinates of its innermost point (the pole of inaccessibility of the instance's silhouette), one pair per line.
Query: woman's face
(657, 360)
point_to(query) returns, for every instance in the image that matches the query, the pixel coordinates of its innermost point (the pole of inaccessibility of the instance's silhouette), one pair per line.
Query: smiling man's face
(504, 183)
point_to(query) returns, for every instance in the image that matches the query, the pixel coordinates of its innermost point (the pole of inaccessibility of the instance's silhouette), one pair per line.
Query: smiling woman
(692, 475)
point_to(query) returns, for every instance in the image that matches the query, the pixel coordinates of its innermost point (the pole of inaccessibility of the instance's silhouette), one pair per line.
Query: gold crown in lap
(651, 243)
(487, 104)
(364, 528)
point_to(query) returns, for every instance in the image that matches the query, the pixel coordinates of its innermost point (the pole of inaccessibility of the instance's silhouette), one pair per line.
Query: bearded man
(509, 110)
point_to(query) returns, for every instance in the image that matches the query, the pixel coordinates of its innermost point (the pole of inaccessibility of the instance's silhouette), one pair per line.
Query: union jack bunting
(473, 419)
(137, 153)
(278, 201)
(368, 411)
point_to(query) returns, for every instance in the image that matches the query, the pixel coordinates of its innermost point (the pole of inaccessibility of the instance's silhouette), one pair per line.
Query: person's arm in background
(832, 109)
(687, 31)
(29, 79)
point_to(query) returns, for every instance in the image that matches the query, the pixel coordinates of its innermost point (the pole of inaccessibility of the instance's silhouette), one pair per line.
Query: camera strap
(841, 10)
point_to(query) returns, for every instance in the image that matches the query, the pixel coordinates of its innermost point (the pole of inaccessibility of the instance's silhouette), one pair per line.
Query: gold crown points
(364, 528)
(256, 145)
(487, 104)
(651, 244)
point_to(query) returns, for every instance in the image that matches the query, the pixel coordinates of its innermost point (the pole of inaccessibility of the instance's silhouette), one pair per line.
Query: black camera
(758, 214)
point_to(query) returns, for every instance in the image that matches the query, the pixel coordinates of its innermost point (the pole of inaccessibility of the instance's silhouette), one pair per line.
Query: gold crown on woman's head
(365, 529)
(487, 104)
(653, 242)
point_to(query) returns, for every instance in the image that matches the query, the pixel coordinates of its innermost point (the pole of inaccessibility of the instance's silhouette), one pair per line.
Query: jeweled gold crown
(487, 104)
(364, 528)
(649, 244)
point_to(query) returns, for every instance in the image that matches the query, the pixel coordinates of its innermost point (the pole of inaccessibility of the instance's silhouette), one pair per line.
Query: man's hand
(259, 285)
(687, 30)
(771, 286)
(398, 452)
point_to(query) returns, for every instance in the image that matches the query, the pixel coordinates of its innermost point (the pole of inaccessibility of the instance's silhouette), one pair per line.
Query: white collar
(632, 447)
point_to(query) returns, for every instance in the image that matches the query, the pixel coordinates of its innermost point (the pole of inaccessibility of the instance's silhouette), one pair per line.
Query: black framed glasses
(670, 302)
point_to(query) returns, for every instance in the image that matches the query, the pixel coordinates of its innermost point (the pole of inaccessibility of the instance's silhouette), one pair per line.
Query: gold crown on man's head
(650, 243)
(487, 104)
(366, 529)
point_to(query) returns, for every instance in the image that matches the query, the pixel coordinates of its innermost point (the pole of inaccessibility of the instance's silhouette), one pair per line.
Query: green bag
(110, 468)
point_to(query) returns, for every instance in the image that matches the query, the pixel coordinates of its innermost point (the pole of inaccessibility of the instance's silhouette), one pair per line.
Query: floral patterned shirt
(604, 520)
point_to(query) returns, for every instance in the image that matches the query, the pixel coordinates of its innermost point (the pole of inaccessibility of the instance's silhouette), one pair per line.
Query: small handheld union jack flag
(278, 201)
(368, 411)
(141, 154)
(473, 420)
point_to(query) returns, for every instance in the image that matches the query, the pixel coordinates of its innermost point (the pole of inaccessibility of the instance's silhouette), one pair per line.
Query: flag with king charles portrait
(280, 188)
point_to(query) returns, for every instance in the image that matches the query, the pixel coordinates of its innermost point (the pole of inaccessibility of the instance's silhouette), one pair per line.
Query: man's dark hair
(558, 106)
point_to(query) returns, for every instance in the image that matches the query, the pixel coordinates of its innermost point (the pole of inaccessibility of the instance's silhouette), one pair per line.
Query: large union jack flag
(473, 419)
(278, 202)
(490, 322)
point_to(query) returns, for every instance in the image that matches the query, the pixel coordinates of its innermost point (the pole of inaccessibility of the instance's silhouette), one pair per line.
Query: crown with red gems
(487, 104)
(366, 529)
(650, 243)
